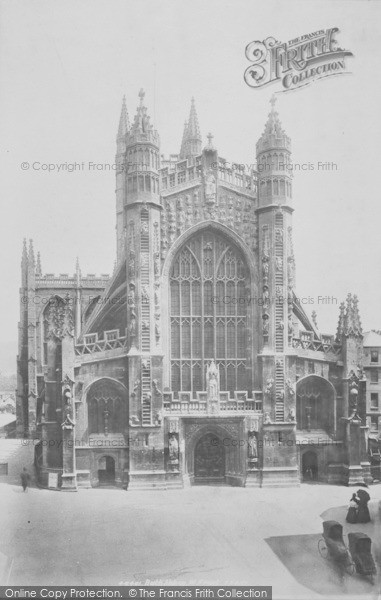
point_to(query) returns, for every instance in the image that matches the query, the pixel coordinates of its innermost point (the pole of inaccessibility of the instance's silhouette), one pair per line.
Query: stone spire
(77, 271)
(31, 260)
(352, 324)
(38, 265)
(193, 126)
(341, 323)
(182, 149)
(191, 144)
(356, 315)
(24, 257)
(124, 123)
(24, 264)
(142, 120)
(274, 135)
(142, 129)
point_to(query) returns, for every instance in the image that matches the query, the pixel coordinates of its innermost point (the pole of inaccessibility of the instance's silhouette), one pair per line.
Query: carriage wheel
(323, 550)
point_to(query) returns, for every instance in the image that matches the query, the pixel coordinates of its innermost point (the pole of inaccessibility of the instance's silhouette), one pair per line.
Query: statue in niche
(132, 324)
(212, 382)
(253, 446)
(265, 324)
(265, 268)
(266, 296)
(173, 444)
(291, 415)
(266, 419)
(269, 387)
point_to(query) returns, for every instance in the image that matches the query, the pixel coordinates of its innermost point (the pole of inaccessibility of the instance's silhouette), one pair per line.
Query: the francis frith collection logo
(295, 63)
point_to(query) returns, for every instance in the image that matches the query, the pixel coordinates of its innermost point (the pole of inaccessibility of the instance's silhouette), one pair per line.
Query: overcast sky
(65, 67)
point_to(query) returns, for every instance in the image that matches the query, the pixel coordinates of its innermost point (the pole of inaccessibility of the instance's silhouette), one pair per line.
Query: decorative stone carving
(173, 446)
(269, 387)
(156, 388)
(144, 229)
(291, 415)
(68, 422)
(278, 235)
(266, 296)
(290, 387)
(252, 446)
(266, 419)
(253, 424)
(60, 317)
(145, 295)
(212, 382)
(265, 324)
(173, 426)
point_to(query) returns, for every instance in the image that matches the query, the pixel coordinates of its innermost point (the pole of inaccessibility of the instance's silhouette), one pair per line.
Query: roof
(372, 339)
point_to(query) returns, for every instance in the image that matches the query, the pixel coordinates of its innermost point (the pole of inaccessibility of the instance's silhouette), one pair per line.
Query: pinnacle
(38, 265)
(31, 252)
(124, 123)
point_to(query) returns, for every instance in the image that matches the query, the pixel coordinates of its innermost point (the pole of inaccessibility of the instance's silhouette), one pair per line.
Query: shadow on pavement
(299, 554)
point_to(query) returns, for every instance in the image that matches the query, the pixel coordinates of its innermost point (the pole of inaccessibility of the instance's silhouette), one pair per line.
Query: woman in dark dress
(352, 510)
(363, 515)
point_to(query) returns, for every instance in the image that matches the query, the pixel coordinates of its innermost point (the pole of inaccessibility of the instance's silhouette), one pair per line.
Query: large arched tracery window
(106, 408)
(209, 282)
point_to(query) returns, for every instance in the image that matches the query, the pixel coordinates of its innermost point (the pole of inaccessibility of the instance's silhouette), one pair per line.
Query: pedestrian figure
(25, 478)
(352, 509)
(363, 515)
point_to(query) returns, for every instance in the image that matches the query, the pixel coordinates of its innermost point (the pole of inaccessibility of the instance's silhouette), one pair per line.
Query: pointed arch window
(107, 411)
(208, 314)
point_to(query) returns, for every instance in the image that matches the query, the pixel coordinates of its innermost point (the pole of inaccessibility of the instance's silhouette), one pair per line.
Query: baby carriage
(331, 546)
(360, 546)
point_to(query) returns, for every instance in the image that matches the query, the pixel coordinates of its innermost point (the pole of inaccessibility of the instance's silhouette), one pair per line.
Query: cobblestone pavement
(201, 535)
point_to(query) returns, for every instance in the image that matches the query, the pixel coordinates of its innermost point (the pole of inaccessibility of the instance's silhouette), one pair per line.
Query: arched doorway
(106, 470)
(310, 470)
(209, 460)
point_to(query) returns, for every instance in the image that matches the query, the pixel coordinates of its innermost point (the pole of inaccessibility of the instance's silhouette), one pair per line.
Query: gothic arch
(230, 237)
(316, 397)
(106, 402)
(43, 321)
(214, 325)
(217, 430)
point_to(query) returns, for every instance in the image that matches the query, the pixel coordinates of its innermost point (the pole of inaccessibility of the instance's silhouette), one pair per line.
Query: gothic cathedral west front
(195, 362)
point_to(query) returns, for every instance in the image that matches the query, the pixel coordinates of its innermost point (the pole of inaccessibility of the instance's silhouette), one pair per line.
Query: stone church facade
(195, 362)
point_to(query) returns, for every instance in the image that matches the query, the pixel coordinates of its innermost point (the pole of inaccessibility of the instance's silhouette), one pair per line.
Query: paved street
(201, 535)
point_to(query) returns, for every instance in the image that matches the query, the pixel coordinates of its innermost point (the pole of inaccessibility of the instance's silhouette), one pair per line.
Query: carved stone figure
(265, 324)
(266, 296)
(253, 447)
(145, 295)
(269, 387)
(266, 419)
(291, 415)
(68, 422)
(173, 445)
(212, 382)
(279, 235)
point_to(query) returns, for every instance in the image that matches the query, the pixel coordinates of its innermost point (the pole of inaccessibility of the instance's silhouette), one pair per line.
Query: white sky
(64, 67)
